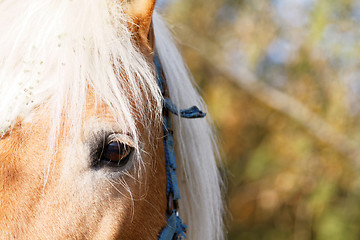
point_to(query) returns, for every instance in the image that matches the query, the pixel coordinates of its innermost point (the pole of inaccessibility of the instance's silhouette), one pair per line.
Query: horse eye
(114, 153)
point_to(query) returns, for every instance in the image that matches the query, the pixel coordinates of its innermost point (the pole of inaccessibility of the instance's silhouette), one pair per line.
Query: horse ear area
(141, 12)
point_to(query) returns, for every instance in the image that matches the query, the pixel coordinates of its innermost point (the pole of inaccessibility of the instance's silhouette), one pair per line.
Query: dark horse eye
(114, 152)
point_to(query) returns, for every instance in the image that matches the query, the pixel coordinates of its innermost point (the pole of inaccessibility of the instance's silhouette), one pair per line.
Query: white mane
(52, 52)
(201, 205)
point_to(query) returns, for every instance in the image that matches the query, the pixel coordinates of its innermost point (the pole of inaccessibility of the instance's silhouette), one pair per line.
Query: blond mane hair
(52, 52)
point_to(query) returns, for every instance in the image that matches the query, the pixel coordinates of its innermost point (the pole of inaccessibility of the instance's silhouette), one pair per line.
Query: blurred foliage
(283, 182)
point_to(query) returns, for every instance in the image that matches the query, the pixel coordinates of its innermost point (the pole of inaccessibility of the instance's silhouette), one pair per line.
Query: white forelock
(53, 51)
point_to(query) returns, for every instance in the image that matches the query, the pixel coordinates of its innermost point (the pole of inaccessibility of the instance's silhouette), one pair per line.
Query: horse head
(82, 128)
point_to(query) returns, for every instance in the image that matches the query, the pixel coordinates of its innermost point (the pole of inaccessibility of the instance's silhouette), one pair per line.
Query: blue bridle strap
(192, 112)
(175, 229)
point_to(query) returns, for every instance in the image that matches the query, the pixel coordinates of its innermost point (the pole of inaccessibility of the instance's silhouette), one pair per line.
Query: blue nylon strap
(192, 112)
(175, 229)
(170, 161)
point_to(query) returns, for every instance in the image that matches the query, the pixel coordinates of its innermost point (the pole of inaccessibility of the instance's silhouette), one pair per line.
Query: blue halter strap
(175, 229)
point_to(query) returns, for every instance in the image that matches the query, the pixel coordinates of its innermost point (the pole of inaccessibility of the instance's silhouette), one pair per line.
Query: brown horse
(81, 147)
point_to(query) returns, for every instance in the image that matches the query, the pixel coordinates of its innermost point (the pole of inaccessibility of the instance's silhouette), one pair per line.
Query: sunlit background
(282, 81)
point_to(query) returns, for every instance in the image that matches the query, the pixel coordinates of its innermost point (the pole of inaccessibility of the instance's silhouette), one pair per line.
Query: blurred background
(282, 82)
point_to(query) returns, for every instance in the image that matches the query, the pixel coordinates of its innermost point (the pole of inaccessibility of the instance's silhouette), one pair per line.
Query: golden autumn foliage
(282, 82)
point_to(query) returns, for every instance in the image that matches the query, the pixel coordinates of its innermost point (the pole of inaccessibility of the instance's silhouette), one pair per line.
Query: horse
(82, 126)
